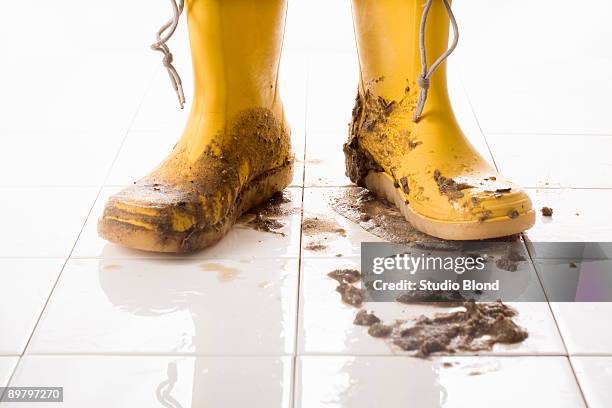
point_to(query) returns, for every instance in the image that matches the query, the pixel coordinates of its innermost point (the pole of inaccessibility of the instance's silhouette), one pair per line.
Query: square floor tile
(99, 90)
(43, 221)
(326, 323)
(585, 327)
(521, 83)
(212, 307)
(130, 381)
(352, 382)
(575, 279)
(579, 215)
(594, 375)
(59, 158)
(554, 160)
(241, 242)
(531, 97)
(25, 286)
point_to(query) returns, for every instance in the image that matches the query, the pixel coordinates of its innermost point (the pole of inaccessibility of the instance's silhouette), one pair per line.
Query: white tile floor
(254, 320)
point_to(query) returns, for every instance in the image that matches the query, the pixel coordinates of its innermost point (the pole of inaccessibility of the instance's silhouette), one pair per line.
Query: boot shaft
(387, 33)
(235, 48)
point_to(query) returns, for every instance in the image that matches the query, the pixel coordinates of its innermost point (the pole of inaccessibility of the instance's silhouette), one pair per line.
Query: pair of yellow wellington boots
(235, 151)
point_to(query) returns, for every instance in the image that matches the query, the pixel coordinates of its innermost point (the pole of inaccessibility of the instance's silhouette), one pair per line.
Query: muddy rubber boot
(421, 161)
(235, 151)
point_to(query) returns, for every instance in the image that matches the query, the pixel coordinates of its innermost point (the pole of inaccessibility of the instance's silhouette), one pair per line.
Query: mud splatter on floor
(376, 216)
(318, 229)
(476, 328)
(224, 273)
(479, 327)
(266, 217)
(320, 225)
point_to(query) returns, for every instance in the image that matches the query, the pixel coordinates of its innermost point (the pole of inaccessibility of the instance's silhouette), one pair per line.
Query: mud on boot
(410, 150)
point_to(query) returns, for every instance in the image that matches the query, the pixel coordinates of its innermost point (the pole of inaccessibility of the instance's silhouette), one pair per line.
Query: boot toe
(151, 216)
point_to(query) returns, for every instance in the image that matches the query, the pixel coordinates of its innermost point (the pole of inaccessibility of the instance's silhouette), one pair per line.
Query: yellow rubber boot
(426, 167)
(235, 151)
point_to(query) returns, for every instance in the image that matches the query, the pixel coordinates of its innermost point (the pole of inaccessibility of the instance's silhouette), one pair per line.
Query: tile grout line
(567, 353)
(471, 105)
(294, 364)
(69, 256)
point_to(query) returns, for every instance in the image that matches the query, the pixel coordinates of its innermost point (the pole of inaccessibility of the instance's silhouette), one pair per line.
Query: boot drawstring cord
(163, 35)
(424, 78)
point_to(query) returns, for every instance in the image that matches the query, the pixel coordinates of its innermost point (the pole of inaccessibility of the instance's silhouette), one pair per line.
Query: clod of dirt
(345, 275)
(479, 327)
(573, 265)
(547, 211)
(444, 298)
(404, 184)
(365, 318)
(376, 216)
(449, 187)
(380, 330)
(350, 294)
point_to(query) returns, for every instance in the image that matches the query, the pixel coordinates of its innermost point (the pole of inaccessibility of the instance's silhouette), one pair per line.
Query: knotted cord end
(423, 82)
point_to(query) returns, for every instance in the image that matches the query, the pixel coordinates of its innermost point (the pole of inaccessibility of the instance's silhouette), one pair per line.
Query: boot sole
(256, 192)
(382, 185)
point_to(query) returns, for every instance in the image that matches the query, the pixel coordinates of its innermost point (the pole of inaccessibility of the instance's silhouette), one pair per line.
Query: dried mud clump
(351, 295)
(380, 330)
(547, 211)
(365, 318)
(449, 187)
(376, 216)
(479, 327)
(345, 275)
